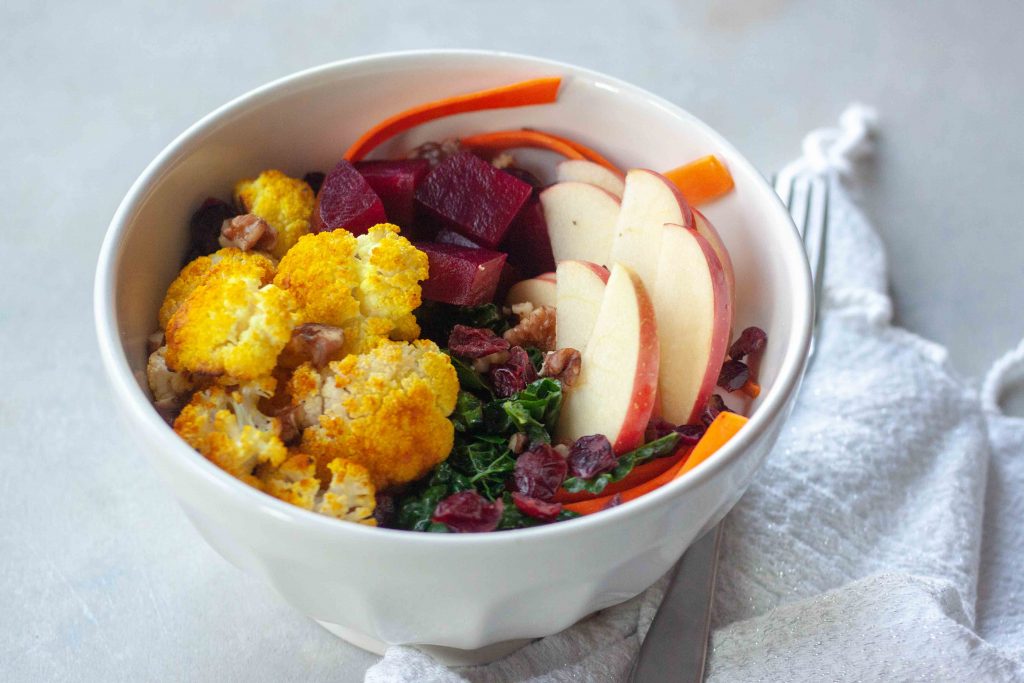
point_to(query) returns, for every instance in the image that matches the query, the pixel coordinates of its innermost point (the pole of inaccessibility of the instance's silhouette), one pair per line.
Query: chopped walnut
(503, 160)
(291, 430)
(483, 365)
(518, 442)
(536, 328)
(313, 342)
(563, 365)
(247, 232)
(561, 449)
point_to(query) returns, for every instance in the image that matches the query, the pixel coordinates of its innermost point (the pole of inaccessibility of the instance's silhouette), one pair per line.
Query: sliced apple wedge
(649, 201)
(614, 393)
(580, 290)
(694, 312)
(581, 221)
(539, 291)
(582, 171)
(703, 226)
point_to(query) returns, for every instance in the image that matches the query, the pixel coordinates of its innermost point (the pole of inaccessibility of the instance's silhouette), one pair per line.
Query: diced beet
(473, 198)
(347, 201)
(395, 182)
(525, 176)
(446, 236)
(527, 243)
(460, 275)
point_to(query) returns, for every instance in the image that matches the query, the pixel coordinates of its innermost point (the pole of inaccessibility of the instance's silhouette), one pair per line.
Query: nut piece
(536, 328)
(315, 342)
(563, 365)
(247, 232)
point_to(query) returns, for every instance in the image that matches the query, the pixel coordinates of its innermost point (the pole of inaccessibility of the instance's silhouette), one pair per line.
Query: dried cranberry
(751, 342)
(538, 509)
(514, 374)
(205, 226)
(657, 428)
(539, 472)
(314, 179)
(614, 501)
(734, 375)
(468, 512)
(591, 455)
(714, 406)
(475, 342)
(691, 434)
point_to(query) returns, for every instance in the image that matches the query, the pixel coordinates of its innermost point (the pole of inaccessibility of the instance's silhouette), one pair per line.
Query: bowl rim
(139, 409)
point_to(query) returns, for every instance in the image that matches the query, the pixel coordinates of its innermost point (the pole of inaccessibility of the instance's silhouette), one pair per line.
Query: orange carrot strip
(723, 428)
(501, 140)
(702, 180)
(639, 475)
(524, 93)
(751, 389)
(588, 153)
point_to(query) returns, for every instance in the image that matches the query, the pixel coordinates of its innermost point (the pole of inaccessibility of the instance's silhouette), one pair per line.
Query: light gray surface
(102, 578)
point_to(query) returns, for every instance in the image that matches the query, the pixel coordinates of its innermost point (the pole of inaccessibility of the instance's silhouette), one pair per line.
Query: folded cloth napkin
(882, 539)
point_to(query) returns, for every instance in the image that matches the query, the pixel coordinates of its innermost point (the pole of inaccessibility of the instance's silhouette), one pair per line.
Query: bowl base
(449, 656)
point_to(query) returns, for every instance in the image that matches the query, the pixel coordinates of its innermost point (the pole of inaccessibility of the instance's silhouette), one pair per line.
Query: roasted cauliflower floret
(350, 496)
(170, 389)
(368, 286)
(231, 324)
(283, 202)
(386, 410)
(197, 270)
(226, 425)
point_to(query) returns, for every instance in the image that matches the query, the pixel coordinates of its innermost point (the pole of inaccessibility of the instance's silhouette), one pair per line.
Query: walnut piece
(563, 365)
(247, 232)
(314, 342)
(536, 328)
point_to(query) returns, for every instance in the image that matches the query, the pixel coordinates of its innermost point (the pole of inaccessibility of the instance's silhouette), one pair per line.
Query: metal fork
(676, 645)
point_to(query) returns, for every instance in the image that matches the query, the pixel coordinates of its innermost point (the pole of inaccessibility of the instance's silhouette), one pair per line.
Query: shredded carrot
(718, 433)
(501, 140)
(639, 475)
(751, 389)
(524, 93)
(588, 153)
(702, 180)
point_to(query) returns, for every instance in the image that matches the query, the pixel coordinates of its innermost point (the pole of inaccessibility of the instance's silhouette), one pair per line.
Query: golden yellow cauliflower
(196, 272)
(231, 324)
(386, 410)
(350, 496)
(225, 425)
(367, 285)
(283, 202)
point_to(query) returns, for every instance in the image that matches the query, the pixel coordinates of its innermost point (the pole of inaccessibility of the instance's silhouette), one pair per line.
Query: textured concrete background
(102, 578)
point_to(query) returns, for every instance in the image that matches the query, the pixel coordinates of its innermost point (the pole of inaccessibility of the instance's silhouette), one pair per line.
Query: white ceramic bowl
(377, 586)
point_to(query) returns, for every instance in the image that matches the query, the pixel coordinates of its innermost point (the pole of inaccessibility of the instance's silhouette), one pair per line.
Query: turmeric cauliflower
(226, 425)
(350, 496)
(231, 324)
(367, 285)
(197, 270)
(283, 202)
(386, 410)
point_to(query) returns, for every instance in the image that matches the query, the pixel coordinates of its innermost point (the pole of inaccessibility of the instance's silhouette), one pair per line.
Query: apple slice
(581, 286)
(650, 200)
(702, 225)
(691, 302)
(539, 291)
(581, 221)
(614, 393)
(583, 171)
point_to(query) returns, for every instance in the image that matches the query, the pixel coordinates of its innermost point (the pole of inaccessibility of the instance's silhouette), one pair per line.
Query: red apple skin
(707, 230)
(645, 382)
(721, 324)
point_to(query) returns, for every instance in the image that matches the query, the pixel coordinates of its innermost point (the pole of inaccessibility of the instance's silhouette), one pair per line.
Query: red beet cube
(527, 242)
(395, 182)
(461, 275)
(473, 198)
(446, 236)
(346, 200)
